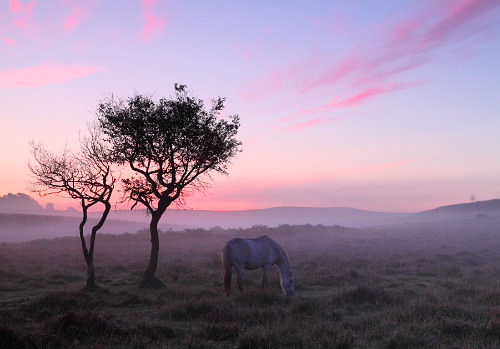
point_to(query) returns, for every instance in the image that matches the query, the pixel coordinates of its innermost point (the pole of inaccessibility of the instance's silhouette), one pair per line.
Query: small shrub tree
(170, 145)
(87, 177)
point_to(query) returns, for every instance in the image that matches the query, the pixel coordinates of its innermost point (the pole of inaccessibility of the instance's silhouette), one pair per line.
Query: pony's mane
(284, 258)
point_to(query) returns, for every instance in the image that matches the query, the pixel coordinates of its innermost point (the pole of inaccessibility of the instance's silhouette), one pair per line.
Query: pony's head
(287, 284)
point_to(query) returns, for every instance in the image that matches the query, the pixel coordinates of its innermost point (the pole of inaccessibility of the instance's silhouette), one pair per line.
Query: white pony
(262, 252)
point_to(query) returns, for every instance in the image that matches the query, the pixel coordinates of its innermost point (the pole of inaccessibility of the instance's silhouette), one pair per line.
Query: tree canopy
(171, 146)
(169, 143)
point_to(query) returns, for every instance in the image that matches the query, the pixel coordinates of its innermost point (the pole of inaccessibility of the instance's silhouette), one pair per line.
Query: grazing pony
(262, 252)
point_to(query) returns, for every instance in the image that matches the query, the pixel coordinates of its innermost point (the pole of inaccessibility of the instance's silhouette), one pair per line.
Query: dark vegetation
(412, 286)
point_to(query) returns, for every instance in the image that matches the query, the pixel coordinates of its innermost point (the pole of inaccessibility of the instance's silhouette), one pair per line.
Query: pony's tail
(227, 267)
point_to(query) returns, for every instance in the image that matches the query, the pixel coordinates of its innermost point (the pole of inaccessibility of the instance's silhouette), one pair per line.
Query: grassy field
(415, 286)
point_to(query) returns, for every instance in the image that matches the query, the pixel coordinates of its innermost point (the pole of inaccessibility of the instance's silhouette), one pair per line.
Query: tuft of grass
(364, 294)
(57, 302)
(268, 298)
(219, 332)
(129, 300)
(403, 341)
(224, 313)
(335, 337)
(77, 325)
(308, 307)
(10, 339)
(169, 294)
(285, 337)
(157, 332)
(188, 311)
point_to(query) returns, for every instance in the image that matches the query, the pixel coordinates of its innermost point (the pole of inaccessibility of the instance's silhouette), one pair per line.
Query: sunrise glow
(389, 106)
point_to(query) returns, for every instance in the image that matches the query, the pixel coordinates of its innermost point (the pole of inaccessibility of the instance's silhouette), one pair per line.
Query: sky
(379, 105)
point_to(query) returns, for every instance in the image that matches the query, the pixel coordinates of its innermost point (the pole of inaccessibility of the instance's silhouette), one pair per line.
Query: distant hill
(349, 217)
(283, 215)
(17, 203)
(487, 208)
(23, 203)
(23, 226)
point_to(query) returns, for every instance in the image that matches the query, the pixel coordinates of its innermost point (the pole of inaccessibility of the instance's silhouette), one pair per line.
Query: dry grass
(403, 287)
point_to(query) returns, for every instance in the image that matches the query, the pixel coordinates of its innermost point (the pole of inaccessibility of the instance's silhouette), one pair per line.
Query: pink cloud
(261, 88)
(153, 23)
(72, 21)
(338, 102)
(349, 64)
(22, 13)
(458, 14)
(277, 80)
(15, 5)
(377, 75)
(404, 32)
(8, 41)
(45, 74)
(357, 99)
(21, 17)
(313, 122)
(404, 45)
(78, 10)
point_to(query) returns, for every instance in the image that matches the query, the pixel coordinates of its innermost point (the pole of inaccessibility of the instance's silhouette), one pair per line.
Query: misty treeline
(154, 152)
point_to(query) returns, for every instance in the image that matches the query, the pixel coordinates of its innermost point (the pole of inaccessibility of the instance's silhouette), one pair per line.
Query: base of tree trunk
(152, 282)
(91, 287)
(95, 288)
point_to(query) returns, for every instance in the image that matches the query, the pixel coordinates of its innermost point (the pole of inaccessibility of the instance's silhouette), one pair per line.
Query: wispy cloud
(77, 11)
(351, 63)
(277, 80)
(44, 74)
(313, 122)
(22, 12)
(405, 45)
(339, 102)
(7, 40)
(153, 23)
(15, 5)
(457, 15)
(408, 43)
(21, 15)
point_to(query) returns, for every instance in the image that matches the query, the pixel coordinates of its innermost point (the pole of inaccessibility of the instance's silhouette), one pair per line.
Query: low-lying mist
(408, 285)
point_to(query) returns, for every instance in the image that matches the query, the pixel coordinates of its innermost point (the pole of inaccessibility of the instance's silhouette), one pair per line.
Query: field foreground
(413, 286)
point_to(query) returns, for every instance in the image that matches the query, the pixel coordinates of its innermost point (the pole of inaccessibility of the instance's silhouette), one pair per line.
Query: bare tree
(87, 177)
(171, 145)
(472, 198)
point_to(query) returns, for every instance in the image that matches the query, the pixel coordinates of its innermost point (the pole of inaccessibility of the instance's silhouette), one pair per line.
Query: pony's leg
(265, 272)
(239, 276)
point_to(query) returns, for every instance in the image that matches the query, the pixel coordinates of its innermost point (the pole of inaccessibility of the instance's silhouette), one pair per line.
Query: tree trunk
(90, 255)
(149, 279)
(90, 272)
